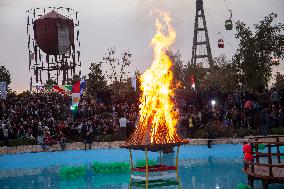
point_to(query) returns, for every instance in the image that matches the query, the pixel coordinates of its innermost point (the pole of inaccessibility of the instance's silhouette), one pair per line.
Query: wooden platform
(262, 172)
(267, 165)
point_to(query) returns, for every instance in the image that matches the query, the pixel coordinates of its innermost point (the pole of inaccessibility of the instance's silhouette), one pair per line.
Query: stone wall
(101, 145)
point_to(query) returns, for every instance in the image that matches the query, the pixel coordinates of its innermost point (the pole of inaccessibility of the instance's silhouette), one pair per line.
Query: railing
(266, 166)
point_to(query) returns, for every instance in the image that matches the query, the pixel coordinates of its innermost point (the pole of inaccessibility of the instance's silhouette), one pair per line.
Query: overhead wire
(227, 6)
(217, 29)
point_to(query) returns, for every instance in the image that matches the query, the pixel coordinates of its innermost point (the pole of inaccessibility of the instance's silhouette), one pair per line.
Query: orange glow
(158, 114)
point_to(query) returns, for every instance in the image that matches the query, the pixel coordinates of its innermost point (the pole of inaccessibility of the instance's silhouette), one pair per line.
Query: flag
(76, 94)
(82, 86)
(3, 90)
(58, 89)
(67, 89)
(133, 82)
(76, 87)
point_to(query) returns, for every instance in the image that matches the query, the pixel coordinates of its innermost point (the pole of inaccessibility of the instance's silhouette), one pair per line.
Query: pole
(147, 168)
(131, 166)
(177, 162)
(131, 160)
(178, 179)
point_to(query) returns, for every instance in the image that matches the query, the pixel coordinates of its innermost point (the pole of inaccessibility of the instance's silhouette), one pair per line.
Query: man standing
(122, 123)
(6, 134)
(88, 139)
(189, 130)
(274, 98)
(264, 122)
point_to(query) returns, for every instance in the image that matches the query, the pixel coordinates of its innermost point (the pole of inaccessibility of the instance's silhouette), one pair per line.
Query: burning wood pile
(158, 115)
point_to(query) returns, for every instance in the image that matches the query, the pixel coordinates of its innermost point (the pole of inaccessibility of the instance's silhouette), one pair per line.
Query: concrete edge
(102, 145)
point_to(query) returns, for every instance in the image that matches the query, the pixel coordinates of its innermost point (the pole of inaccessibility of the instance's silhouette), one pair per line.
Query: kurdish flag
(76, 94)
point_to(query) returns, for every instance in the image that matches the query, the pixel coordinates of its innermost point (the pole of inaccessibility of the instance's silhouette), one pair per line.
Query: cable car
(220, 43)
(229, 24)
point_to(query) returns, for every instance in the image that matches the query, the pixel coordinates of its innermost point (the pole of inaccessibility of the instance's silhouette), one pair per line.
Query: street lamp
(213, 102)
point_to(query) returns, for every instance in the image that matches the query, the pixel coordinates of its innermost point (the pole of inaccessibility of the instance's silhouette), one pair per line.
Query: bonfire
(158, 115)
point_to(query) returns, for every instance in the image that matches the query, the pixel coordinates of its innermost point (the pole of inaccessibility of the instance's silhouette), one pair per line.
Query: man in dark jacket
(264, 121)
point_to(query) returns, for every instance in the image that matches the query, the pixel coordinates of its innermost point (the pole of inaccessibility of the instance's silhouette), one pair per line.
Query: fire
(158, 114)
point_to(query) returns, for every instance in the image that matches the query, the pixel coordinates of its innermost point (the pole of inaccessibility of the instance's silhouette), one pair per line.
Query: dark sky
(125, 24)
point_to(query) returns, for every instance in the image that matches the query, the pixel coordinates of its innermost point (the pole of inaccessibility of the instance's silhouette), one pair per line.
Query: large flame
(158, 114)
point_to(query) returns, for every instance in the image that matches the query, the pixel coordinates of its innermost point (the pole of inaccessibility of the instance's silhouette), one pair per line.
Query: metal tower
(53, 45)
(201, 46)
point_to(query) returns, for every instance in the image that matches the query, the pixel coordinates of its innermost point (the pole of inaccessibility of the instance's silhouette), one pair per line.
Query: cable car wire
(217, 29)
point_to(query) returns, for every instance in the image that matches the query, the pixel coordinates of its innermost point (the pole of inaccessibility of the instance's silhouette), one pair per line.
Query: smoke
(180, 10)
(182, 13)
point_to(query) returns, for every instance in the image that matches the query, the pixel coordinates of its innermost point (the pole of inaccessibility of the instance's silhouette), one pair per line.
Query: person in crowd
(47, 116)
(122, 124)
(189, 129)
(274, 97)
(40, 141)
(48, 139)
(62, 140)
(88, 139)
(264, 119)
(209, 135)
(5, 134)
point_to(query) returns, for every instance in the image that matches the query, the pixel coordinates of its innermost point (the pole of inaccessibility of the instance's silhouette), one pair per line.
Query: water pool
(199, 167)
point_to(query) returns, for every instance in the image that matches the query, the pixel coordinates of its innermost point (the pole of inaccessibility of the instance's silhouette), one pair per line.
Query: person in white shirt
(122, 124)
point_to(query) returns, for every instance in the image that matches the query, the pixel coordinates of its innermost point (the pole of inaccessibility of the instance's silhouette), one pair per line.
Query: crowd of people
(240, 109)
(48, 119)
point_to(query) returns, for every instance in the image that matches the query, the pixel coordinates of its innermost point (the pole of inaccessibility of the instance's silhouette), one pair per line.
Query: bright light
(213, 102)
(193, 86)
(164, 91)
(74, 107)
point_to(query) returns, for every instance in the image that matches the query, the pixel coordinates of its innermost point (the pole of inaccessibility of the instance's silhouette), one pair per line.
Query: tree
(178, 69)
(279, 81)
(5, 75)
(253, 59)
(117, 72)
(96, 82)
(222, 75)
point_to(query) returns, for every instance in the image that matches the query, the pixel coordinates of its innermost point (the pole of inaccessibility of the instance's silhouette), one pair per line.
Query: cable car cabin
(221, 43)
(229, 24)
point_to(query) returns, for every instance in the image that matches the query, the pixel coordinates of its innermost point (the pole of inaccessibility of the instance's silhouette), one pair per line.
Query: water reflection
(203, 173)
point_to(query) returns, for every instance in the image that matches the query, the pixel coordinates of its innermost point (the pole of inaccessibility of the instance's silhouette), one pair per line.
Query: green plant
(245, 132)
(108, 138)
(200, 133)
(115, 167)
(14, 142)
(142, 163)
(72, 172)
(219, 131)
(17, 142)
(277, 131)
